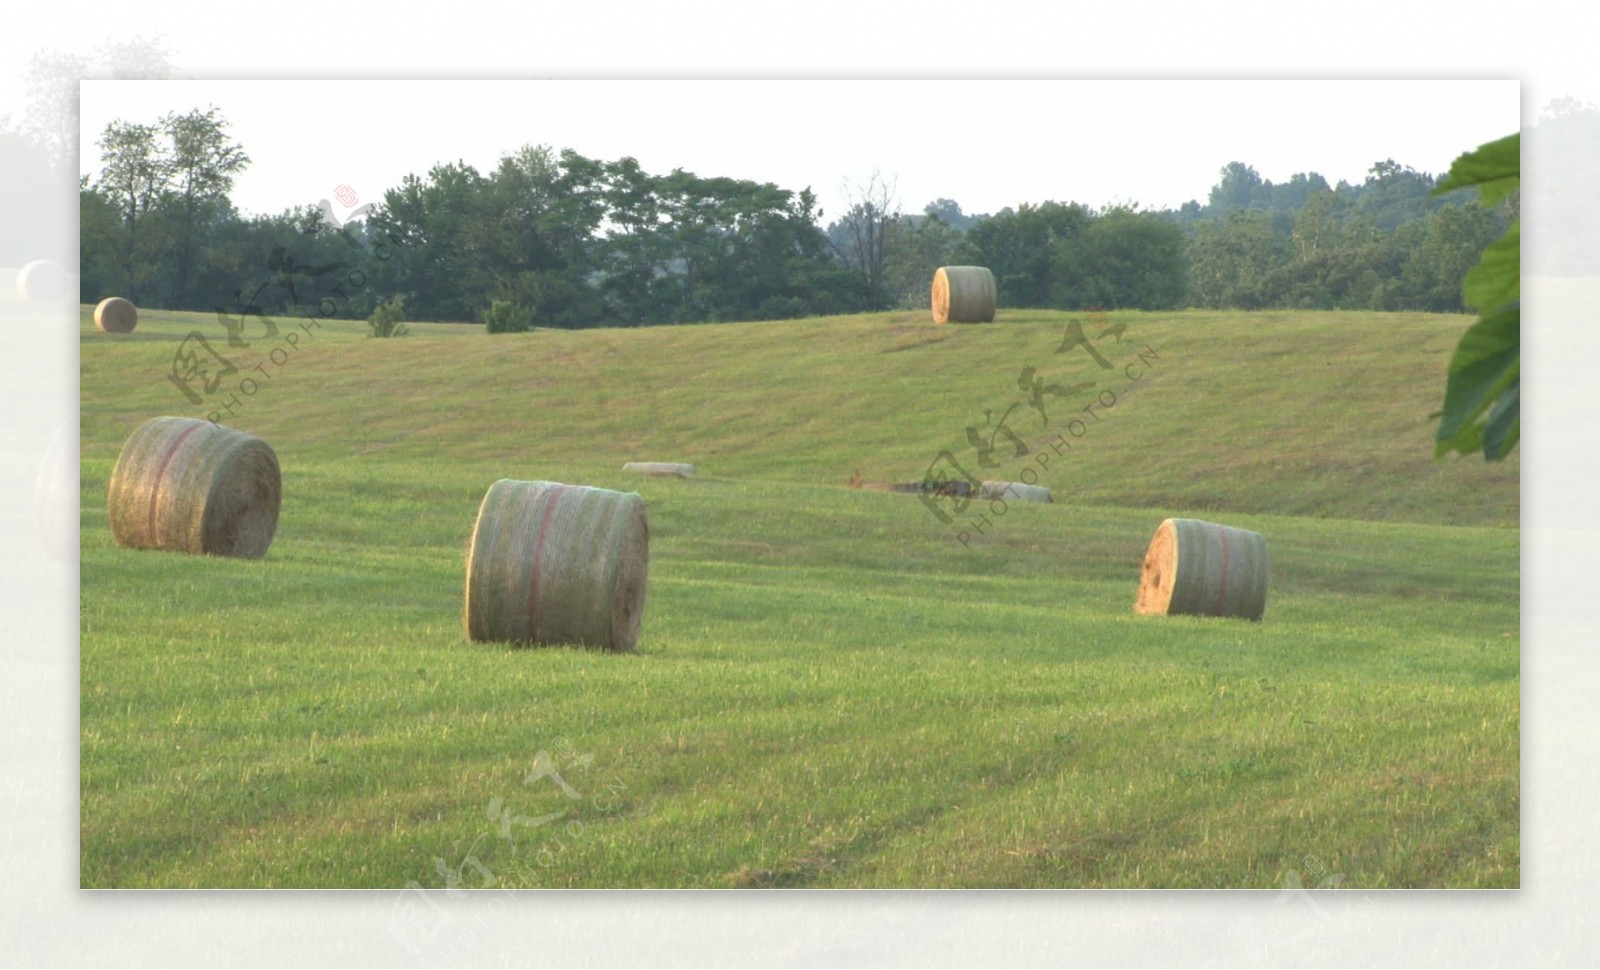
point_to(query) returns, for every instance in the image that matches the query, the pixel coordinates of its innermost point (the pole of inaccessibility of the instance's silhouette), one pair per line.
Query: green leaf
(1467, 440)
(1497, 279)
(1486, 367)
(1504, 424)
(1494, 168)
(1492, 334)
(1485, 364)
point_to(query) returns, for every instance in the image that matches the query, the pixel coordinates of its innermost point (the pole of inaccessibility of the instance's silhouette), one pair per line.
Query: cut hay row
(660, 469)
(1204, 569)
(552, 563)
(186, 485)
(1015, 490)
(963, 294)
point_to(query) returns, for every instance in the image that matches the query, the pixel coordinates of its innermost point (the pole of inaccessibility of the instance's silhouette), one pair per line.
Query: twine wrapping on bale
(552, 563)
(116, 315)
(660, 469)
(1204, 569)
(191, 486)
(1014, 490)
(963, 294)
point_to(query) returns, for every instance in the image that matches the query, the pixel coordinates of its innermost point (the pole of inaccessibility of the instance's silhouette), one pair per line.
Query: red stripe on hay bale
(161, 472)
(552, 563)
(1202, 568)
(554, 494)
(186, 485)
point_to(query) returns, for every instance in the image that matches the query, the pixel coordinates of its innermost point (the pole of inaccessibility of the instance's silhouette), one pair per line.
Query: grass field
(831, 688)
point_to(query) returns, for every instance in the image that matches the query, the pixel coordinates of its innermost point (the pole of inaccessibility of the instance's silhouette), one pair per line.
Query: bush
(386, 317)
(503, 316)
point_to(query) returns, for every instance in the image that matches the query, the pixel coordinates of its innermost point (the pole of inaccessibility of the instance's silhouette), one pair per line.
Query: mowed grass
(831, 690)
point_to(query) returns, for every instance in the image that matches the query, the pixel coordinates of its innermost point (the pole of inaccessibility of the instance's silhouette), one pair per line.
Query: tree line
(556, 239)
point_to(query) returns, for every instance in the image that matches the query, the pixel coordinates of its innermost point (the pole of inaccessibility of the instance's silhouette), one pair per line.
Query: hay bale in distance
(963, 294)
(1204, 569)
(42, 281)
(552, 563)
(191, 486)
(116, 315)
(1016, 491)
(660, 469)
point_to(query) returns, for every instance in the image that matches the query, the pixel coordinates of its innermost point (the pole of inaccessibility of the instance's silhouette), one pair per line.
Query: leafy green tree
(1300, 188)
(1241, 187)
(637, 258)
(864, 236)
(578, 242)
(1125, 259)
(1232, 259)
(134, 179)
(1482, 398)
(922, 245)
(99, 227)
(426, 220)
(1020, 246)
(949, 212)
(1450, 241)
(1314, 222)
(1394, 194)
(201, 166)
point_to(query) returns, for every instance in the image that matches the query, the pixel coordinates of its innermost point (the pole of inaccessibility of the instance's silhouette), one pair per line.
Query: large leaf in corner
(1497, 279)
(1485, 373)
(1486, 365)
(1494, 168)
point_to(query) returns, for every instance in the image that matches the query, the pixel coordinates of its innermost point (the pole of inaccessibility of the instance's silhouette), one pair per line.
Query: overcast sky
(986, 144)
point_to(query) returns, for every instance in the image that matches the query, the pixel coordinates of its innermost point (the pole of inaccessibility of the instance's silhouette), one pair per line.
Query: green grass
(830, 690)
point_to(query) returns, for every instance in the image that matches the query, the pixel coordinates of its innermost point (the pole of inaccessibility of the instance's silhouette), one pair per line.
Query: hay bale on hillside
(116, 315)
(552, 563)
(187, 485)
(660, 469)
(963, 294)
(1016, 491)
(1205, 569)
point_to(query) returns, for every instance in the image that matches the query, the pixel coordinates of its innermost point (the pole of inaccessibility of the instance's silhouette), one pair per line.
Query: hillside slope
(1322, 414)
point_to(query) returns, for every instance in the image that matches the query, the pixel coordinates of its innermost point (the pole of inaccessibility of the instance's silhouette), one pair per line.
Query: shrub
(503, 316)
(386, 317)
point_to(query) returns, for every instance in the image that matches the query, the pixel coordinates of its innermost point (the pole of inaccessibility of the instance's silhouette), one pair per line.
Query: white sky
(986, 144)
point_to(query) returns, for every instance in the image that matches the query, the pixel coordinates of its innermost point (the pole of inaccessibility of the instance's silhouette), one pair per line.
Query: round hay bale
(660, 469)
(42, 281)
(55, 496)
(552, 563)
(1205, 569)
(1016, 491)
(187, 485)
(963, 294)
(116, 315)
